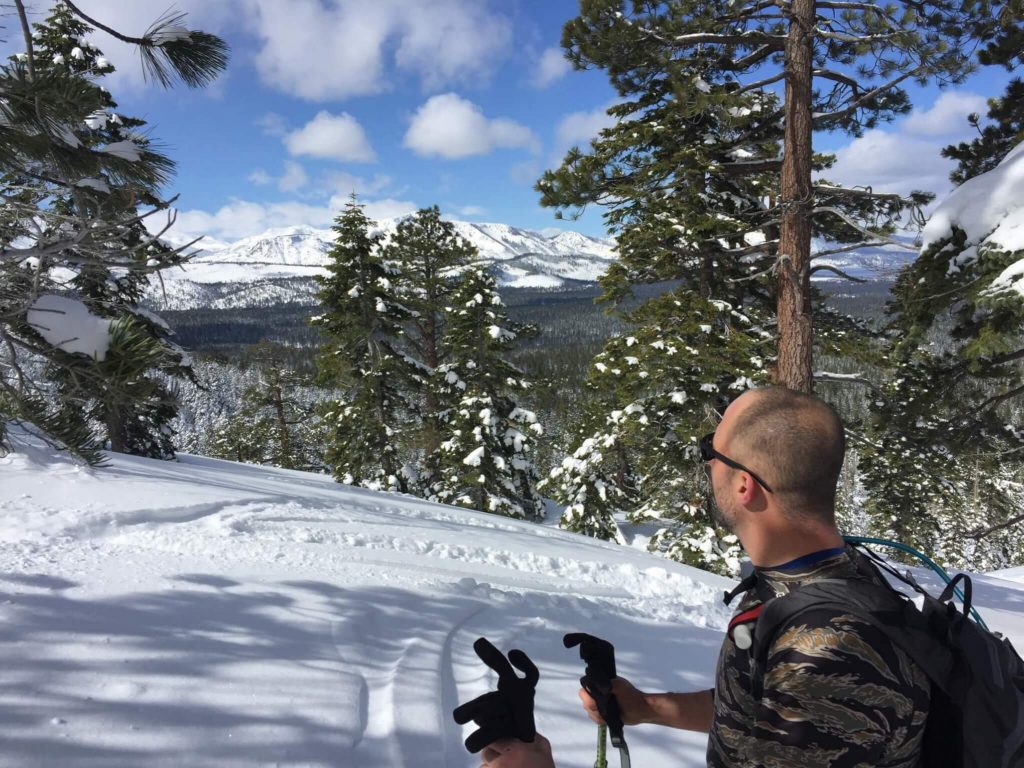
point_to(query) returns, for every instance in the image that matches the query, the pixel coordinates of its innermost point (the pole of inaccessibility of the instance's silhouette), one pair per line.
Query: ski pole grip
(599, 656)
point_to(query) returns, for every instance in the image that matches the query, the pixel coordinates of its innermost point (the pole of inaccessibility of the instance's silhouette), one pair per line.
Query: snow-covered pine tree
(946, 447)
(656, 388)
(61, 182)
(700, 124)
(123, 393)
(273, 424)
(361, 330)
(943, 463)
(429, 255)
(485, 459)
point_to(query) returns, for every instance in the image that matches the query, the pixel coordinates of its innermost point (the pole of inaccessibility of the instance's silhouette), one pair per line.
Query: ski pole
(602, 746)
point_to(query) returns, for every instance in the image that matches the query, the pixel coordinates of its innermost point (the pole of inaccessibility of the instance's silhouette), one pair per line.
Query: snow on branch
(836, 270)
(844, 378)
(863, 230)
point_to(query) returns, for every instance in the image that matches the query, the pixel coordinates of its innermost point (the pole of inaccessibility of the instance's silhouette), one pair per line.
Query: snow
(206, 613)
(98, 184)
(125, 150)
(520, 258)
(69, 325)
(988, 208)
(170, 34)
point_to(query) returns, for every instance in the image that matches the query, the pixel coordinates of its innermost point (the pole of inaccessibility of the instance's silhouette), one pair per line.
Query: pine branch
(754, 166)
(857, 103)
(744, 14)
(856, 39)
(843, 6)
(762, 83)
(751, 59)
(168, 50)
(860, 192)
(863, 230)
(839, 77)
(997, 400)
(983, 532)
(844, 249)
(775, 42)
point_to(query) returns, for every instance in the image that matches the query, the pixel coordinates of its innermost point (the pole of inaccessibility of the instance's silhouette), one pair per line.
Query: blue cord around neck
(806, 561)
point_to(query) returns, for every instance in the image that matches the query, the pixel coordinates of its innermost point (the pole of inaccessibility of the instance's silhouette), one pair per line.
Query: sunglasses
(708, 452)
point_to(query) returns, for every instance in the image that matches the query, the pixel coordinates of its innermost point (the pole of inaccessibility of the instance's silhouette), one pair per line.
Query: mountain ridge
(279, 266)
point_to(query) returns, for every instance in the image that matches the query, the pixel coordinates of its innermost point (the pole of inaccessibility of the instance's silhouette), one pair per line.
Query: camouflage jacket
(836, 692)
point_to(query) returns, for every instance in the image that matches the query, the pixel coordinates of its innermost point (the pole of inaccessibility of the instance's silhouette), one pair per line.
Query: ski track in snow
(205, 613)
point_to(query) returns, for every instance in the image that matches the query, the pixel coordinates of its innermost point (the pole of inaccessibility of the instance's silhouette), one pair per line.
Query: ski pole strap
(623, 755)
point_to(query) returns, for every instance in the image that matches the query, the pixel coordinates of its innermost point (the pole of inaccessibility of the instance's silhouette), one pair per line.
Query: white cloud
(526, 172)
(260, 177)
(947, 116)
(244, 218)
(344, 183)
(449, 41)
(451, 127)
(388, 208)
(469, 210)
(551, 66)
(906, 157)
(335, 137)
(293, 179)
(578, 128)
(337, 49)
(891, 162)
(272, 124)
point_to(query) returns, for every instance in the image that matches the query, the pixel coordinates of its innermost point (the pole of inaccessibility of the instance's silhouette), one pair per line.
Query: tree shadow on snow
(297, 673)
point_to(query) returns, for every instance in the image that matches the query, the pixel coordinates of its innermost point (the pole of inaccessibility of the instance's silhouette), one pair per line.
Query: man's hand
(510, 753)
(633, 703)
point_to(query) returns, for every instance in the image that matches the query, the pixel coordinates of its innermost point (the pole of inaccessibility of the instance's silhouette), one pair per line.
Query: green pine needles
(417, 339)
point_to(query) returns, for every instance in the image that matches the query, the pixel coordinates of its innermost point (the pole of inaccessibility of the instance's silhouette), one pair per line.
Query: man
(835, 692)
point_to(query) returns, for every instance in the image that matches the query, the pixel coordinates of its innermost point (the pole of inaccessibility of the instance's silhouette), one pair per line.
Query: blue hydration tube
(923, 558)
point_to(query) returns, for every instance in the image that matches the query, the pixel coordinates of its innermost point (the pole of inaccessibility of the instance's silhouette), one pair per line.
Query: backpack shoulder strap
(875, 603)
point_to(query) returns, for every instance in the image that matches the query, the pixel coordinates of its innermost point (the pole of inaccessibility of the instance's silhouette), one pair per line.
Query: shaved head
(797, 440)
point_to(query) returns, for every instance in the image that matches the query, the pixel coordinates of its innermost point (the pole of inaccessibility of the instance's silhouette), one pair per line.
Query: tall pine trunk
(794, 281)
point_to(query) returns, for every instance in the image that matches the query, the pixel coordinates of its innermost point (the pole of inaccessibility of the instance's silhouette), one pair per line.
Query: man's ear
(747, 488)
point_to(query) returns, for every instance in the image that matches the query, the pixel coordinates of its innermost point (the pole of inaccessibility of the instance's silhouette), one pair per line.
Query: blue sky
(459, 103)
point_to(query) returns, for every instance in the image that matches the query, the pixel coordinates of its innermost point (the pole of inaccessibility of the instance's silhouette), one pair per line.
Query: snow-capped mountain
(278, 265)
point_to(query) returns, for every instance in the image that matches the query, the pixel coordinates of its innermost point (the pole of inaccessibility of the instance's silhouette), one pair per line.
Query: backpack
(976, 715)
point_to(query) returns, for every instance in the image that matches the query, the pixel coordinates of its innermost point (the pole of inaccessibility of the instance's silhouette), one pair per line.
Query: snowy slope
(205, 613)
(521, 258)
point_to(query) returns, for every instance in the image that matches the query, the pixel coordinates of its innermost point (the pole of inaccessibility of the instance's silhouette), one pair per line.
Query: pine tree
(273, 425)
(361, 331)
(689, 70)
(946, 434)
(429, 256)
(73, 182)
(943, 459)
(1004, 132)
(485, 459)
(656, 389)
(132, 403)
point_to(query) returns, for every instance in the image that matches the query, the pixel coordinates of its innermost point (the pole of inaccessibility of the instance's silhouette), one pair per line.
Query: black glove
(597, 680)
(506, 713)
